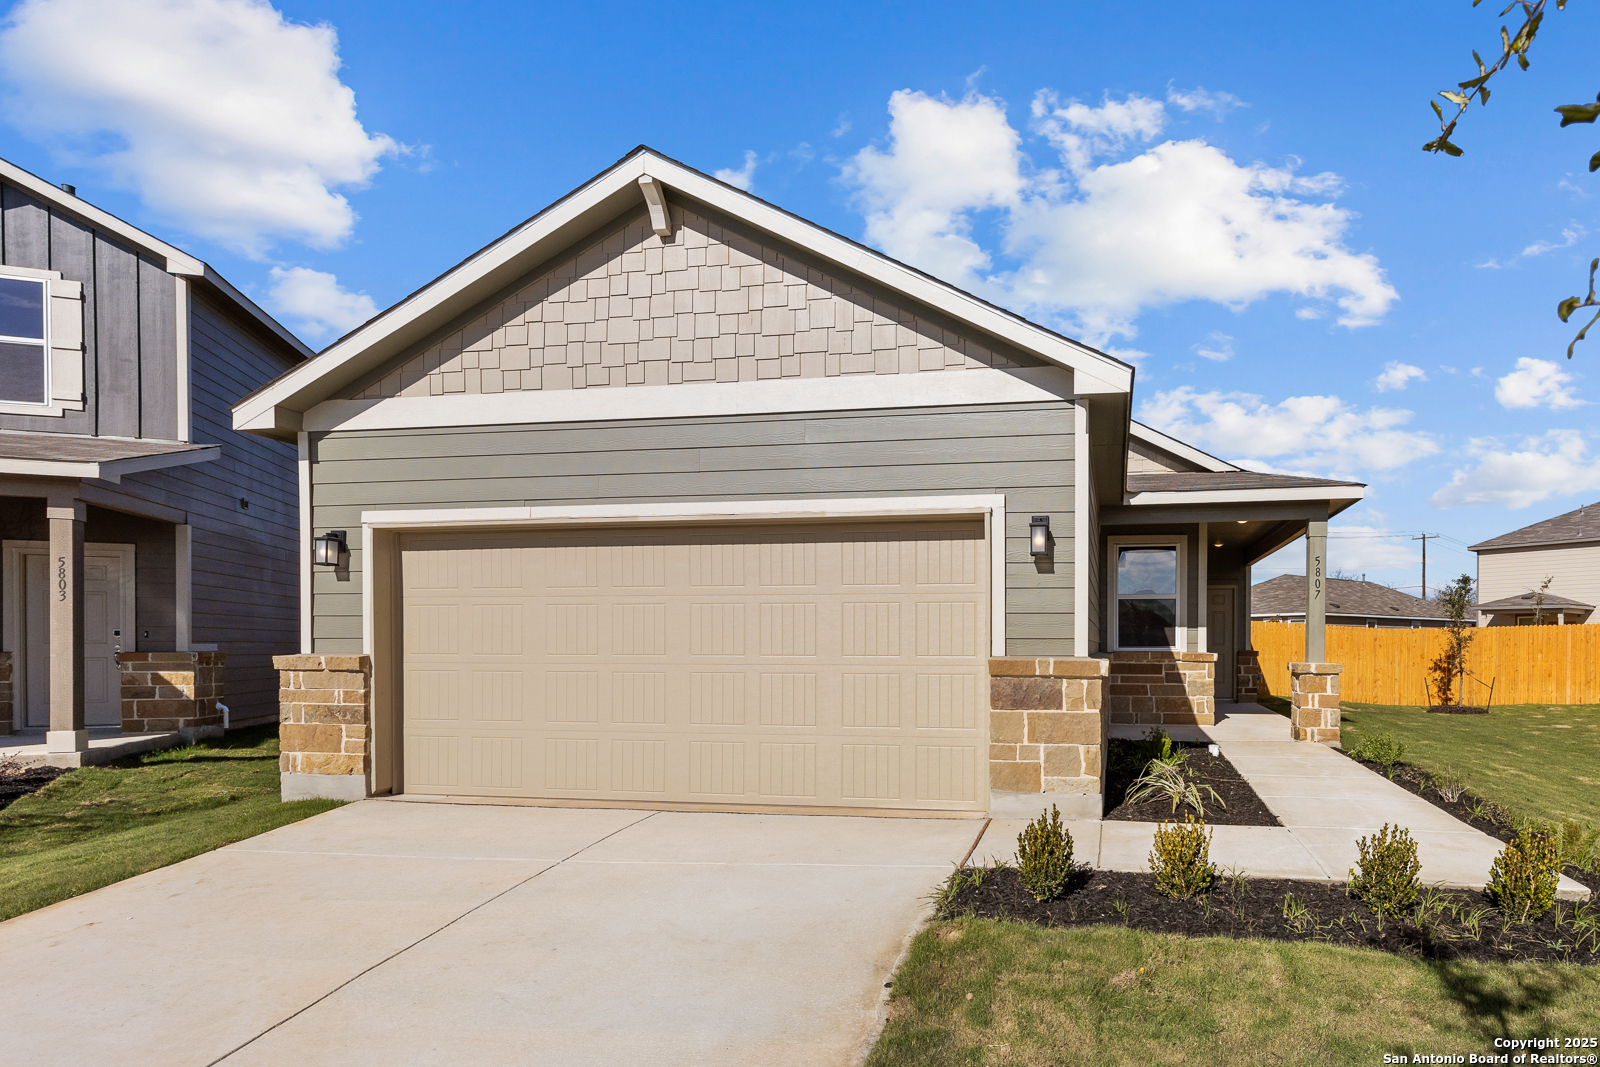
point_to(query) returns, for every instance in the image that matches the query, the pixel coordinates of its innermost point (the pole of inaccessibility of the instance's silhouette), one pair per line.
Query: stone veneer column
(1314, 701)
(165, 691)
(324, 726)
(1047, 737)
(1247, 682)
(1163, 688)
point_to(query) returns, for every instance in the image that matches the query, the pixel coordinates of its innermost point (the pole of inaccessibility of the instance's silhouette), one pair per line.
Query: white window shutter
(66, 343)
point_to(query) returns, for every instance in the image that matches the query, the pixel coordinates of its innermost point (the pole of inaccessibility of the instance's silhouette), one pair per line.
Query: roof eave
(280, 402)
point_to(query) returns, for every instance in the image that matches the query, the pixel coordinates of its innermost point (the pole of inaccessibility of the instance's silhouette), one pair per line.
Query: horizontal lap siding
(1023, 451)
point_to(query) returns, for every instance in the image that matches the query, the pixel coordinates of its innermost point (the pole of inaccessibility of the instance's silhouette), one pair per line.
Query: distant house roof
(1580, 525)
(1201, 481)
(1522, 604)
(1286, 595)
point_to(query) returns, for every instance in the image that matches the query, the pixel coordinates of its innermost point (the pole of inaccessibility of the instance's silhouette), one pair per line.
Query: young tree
(1449, 669)
(1516, 46)
(1538, 599)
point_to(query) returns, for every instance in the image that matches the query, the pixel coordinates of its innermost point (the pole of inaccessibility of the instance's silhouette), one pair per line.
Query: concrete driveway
(393, 933)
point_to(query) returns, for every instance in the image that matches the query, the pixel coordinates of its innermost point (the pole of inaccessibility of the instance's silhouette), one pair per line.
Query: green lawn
(1538, 760)
(996, 993)
(99, 825)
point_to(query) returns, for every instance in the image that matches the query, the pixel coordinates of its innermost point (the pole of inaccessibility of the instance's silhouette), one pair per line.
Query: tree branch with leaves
(1515, 46)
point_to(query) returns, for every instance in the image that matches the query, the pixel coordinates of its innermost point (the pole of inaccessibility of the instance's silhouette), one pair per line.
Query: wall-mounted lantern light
(1039, 536)
(326, 550)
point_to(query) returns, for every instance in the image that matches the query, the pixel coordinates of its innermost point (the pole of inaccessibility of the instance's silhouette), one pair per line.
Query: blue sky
(1230, 195)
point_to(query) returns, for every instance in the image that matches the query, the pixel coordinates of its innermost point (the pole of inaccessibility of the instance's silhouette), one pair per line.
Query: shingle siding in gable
(707, 305)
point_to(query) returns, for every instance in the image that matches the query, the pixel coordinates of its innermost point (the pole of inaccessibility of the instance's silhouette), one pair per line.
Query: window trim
(43, 341)
(1180, 633)
(63, 341)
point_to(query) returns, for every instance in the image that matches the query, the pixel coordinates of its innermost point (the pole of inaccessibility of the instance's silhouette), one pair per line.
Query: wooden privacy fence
(1528, 664)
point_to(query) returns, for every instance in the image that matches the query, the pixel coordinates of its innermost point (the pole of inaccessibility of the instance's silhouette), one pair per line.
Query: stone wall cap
(320, 662)
(1316, 668)
(1063, 667)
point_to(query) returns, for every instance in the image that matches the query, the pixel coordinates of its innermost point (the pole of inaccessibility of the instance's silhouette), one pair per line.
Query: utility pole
(1425, 538)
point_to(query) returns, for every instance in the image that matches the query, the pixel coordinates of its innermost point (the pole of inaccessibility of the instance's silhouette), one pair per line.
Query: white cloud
(1308, 313)
(224, 117)
(841, 127)
(1569, 237)
(1217, 346)
(1301, 433)
(1093, 244)
(741, 178)
(1198, 99)
(1537, 383)
(1555, 463)
(313, 300)
(1397, 376)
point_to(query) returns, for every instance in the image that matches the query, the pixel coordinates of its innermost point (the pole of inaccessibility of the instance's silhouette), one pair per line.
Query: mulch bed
(1240, 807)
(19, 783)
(1474, 811)
(1256, 908)
(1456, 709)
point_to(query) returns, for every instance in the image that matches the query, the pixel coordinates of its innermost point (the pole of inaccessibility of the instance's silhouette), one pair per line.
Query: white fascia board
(106, 470)
(601, 200)
(1347, 493)
(1205, 461)
(278, 329)
(845, 393)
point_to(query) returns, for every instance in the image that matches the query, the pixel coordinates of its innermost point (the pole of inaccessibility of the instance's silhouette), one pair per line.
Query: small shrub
(1576, 845)
(1044, 856)
(1449, 785)
(1387, 875)
(1522, 881)
(1181, 858)
(1381, 749)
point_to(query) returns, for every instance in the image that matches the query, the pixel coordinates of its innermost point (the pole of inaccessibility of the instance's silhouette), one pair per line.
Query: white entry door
(108, 619)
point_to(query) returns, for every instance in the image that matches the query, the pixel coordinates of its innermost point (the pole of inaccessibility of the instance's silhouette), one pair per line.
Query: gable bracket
(655, 195)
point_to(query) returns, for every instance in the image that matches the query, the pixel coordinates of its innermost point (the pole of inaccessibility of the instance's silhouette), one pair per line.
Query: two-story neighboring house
(1512, 567)
(134, 519)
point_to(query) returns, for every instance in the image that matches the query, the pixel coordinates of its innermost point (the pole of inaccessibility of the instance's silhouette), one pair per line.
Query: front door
(107, 626)
(1222, 631)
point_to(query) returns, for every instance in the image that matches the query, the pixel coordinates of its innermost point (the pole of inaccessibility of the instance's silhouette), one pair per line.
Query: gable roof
(1286, 595)
(1203, 460)
(175, 260)
(277, 408)
(1580, 525)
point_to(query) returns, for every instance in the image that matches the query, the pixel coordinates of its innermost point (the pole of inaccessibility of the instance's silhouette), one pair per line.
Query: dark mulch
(1474, 811)
(1240, 805)
(1255, 908)
(1456, 709)
(14, 784)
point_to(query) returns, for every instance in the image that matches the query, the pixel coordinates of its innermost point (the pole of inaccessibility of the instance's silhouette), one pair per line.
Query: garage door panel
(821, 665)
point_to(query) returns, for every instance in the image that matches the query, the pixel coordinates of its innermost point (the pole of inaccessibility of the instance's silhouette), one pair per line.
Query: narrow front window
(22, 341)
(1147, 597)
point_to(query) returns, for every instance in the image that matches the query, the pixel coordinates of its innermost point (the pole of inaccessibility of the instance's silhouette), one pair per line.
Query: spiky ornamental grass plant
(1044, 856)
(1522, 880)
(1386, 875)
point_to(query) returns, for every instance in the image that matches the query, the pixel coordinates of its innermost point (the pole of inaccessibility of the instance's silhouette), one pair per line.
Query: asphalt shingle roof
(1524, 602)
(1286, 595)
(1580, 525)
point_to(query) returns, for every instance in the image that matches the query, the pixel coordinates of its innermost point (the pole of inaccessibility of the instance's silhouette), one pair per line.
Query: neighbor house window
(24, 307)
(1147, 596)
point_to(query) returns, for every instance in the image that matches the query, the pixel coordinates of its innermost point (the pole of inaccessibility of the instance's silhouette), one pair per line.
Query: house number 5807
(61, 578)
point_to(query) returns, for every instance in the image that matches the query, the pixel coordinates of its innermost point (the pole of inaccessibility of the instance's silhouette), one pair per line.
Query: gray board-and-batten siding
(130, 367)
(1024, 451)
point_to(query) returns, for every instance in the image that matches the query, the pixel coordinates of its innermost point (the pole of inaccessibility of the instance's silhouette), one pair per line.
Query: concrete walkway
(106, 743)
(395, 934)
(1325, 800)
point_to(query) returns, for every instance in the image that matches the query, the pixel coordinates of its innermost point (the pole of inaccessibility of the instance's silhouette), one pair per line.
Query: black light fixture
(1039, 536)
(325, 550)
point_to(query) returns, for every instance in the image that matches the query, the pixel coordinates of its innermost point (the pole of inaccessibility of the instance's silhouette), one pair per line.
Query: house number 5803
(61, 578)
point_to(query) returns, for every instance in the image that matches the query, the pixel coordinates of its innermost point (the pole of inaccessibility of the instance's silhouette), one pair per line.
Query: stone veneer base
(1047, 735)
(1314, 702)
(296, 786)
(1160, 688)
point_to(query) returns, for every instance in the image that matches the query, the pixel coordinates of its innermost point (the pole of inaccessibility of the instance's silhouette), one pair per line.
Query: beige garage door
(825, 665)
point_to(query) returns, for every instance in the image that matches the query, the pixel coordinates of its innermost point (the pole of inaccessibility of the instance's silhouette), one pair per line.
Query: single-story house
(1512, 567)
(670, 498)
(148, 550)
(1350, 603)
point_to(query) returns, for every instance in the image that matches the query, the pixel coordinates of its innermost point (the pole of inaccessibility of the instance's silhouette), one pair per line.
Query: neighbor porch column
(1316, 590)
(65, 590)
